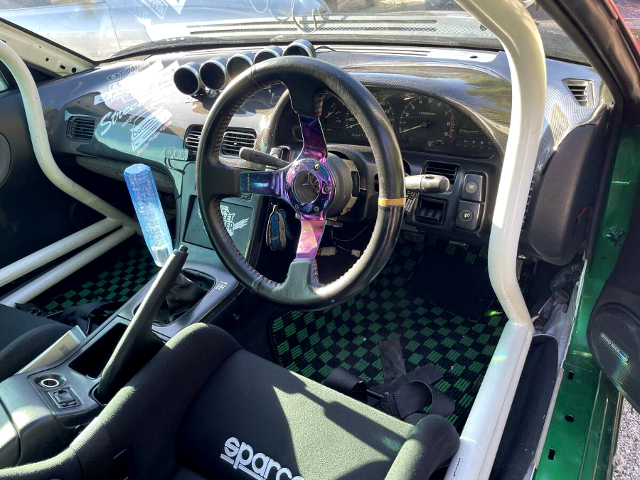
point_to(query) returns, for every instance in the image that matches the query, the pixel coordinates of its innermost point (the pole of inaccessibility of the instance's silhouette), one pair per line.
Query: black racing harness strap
(89, 315)
(392, 361)
(347, 383)
(31, 308)
(402, 395)
(414, 397)
(428, 374)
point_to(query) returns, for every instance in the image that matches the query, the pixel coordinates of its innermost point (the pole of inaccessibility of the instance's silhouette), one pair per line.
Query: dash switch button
(64, 398)
(473, 187)
(468, 215)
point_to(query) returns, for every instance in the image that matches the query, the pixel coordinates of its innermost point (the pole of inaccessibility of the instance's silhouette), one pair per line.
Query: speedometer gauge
(353, 129)
(352, 126)
(427, 122)
(340, 125)
(386, 106)
(332, 113)
(333, 120)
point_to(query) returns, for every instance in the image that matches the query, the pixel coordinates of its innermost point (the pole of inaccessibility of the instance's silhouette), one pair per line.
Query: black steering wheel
(317, 184)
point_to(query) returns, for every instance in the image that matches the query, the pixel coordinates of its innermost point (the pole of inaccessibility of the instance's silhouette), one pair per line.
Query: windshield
(102, 29)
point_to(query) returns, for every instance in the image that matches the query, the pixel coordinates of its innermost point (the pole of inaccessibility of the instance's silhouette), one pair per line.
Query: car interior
(325, 308)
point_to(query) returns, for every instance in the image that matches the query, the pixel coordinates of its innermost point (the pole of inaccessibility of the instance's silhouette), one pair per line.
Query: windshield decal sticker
(177, 5)
(159, 7)
(140, 12)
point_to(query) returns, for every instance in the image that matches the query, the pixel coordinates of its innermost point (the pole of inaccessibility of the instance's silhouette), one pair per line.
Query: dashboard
(450, 110)
(421, 123)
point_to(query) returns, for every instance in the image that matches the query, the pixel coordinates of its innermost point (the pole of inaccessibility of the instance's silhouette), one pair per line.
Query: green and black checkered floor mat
(314, 343)
(115, 277)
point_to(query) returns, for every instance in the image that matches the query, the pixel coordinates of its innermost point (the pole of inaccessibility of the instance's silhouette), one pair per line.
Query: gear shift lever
(184, 293)
(146, 202)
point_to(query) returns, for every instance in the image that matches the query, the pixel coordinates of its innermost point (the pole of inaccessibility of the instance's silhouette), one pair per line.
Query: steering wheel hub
(309, 186)
(306, 187)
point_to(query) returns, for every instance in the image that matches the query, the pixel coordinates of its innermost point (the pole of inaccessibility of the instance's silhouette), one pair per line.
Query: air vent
(582, 91)
(192, 138)
(431, 211)
(445, 169)
(81, 128)
(236, 138)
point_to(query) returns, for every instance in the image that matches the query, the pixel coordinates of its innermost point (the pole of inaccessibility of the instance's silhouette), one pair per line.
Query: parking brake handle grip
(427, 183)
(139, 343)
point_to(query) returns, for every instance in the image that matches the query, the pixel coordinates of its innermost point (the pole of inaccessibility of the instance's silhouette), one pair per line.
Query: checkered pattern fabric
(314, 343)
(117, 284)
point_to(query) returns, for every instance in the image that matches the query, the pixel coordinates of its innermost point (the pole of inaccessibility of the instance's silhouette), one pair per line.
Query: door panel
(614, 327)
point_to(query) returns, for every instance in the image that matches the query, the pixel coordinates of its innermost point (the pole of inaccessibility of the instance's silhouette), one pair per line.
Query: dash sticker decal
(125, 72)
(148, 127)
(136, 104)
(228, 217)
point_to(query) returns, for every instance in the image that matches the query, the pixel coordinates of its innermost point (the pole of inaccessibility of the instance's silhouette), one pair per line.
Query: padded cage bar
(516, 30)
(59, 272)
(42, 151)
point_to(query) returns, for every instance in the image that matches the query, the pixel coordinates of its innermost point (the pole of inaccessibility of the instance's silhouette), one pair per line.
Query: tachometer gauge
(427, 122)
(386, 106)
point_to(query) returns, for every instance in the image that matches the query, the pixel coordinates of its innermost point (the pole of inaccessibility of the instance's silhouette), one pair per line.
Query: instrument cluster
(420, 122)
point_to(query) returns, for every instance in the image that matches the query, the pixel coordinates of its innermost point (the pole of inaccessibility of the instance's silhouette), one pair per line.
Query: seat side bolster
(64, 465)
(28, 346)
(147, 412)
(430, 445)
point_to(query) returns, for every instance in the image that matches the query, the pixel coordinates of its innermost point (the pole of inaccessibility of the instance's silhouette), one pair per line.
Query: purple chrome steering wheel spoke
(311, 232)
(307, 185)
(263, 183)
(314, 145)
(310, 187)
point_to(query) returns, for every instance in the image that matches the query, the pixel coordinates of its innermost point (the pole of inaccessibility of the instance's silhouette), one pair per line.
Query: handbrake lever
(139, 343)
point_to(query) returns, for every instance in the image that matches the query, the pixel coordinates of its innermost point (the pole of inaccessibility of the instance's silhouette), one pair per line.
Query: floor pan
(114, 277)
(314, 343)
